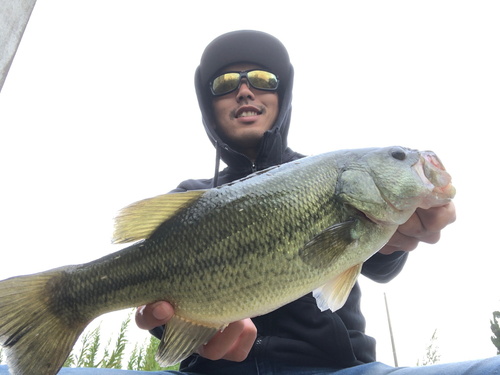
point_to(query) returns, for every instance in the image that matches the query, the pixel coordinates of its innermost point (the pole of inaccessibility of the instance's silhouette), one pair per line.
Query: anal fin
(334, 293)
(181, 339)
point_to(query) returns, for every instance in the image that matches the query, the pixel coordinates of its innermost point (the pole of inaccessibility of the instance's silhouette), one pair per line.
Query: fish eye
(398, 154)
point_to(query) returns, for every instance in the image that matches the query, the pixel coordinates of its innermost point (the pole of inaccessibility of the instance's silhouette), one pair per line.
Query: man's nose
(244, 91)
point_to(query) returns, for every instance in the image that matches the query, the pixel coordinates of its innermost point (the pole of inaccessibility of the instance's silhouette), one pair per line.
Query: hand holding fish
(232, 344)
(422, 226)
(153, 315)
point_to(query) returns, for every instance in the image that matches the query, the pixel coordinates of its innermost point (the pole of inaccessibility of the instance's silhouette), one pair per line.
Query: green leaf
(115, 359)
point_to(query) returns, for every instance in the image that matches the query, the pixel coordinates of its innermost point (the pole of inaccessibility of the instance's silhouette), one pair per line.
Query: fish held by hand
(224, 254)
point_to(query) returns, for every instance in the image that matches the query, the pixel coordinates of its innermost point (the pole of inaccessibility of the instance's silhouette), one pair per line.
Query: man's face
(244, 115)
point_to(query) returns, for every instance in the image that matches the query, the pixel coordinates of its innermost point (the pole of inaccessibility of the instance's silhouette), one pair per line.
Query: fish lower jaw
(447, 192)
(435, 201)
(438, 196)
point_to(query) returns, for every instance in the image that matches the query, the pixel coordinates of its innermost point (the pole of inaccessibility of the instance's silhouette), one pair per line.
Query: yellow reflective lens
(225, 83)
(261, 79)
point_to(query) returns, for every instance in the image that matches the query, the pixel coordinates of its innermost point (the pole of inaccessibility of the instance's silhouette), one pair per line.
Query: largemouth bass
(220, 255)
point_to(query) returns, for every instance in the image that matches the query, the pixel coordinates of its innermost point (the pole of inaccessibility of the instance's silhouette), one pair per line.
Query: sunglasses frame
(244, 74)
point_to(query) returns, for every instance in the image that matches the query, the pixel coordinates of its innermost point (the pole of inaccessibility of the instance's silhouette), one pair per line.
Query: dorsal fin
(140, 219)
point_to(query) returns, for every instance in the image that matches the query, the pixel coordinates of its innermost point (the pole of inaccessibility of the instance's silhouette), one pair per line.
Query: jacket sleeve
(193, 185)
(383, 268)
(157, 332)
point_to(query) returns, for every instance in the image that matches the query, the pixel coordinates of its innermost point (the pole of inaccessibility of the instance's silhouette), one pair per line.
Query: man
(248, 125)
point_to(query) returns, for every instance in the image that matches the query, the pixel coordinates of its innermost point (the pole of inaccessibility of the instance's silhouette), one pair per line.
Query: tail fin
(36, 340)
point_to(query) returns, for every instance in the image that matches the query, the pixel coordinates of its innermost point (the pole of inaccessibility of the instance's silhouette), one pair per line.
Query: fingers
(399, 242)
(437, 218)
(153, 315)
(426, 225)
(233, 343)
(423, 226)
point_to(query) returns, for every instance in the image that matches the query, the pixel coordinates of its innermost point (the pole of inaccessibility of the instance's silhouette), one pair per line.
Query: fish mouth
(435, 177)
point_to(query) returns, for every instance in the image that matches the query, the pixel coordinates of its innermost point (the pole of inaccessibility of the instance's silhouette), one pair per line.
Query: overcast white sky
(99, 110)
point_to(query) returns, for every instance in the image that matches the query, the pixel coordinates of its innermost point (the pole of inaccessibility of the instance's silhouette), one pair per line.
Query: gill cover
(357, 188)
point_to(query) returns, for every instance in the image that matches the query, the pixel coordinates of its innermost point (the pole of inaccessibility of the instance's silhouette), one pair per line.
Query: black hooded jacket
(298, 333)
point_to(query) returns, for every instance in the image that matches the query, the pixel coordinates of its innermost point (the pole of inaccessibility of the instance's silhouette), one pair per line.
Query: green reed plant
(142, 357)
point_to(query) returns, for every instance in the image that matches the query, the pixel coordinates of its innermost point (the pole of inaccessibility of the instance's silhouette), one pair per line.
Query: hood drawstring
(217, 163)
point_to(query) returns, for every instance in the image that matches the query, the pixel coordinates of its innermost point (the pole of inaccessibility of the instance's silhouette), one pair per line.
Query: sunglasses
(230, 81)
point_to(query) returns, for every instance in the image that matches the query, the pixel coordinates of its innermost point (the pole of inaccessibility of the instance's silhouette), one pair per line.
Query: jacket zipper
(254, 168)
(256, 347)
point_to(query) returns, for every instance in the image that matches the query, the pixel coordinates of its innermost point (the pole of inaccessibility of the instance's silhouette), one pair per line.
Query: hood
(258, 48)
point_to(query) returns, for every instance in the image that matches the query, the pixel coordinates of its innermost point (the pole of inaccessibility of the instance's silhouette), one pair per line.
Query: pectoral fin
(181, 339)
(140, 219)
(334, 293)
(328, 245)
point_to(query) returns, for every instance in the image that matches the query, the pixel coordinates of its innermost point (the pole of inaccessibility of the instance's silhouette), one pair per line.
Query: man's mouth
(247, 114)
(247, 111)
